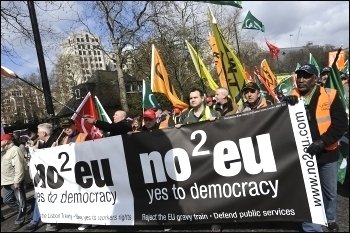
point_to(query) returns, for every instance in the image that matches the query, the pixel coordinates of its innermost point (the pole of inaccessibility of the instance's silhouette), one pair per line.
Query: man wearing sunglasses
(328, 123)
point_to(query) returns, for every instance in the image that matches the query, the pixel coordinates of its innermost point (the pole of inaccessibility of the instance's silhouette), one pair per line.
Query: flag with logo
(250, 22)
(87, 108)
(237, 4)
(202, 71)
(160, 81)
(217, 61)
(103, 116)
(269, 93)
(148, 98)
(267, 74)
(285, 86)
(234, 72)
(274, 50)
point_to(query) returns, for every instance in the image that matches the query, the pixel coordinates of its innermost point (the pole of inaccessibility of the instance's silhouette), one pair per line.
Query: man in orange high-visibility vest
(328, 123)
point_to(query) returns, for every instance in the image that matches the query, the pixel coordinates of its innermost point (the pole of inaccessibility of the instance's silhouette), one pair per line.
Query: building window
(16, 94)
(78, 39)
(133, 87)
(87, 37)
(77, 94)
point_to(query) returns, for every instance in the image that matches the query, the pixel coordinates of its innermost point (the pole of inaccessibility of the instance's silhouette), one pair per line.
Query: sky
(287, 24)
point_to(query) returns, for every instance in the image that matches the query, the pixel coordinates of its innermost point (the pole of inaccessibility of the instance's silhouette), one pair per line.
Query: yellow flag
(268, 76)
(217, 61)
(202, 71)
(160, 81)
(233, 68)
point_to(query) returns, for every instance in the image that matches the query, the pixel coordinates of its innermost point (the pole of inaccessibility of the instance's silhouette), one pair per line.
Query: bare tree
(127, 24)
(16, 30)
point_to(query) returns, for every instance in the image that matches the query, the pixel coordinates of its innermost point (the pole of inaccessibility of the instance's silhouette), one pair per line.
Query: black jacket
(122, 127)
(224, 109)
(338, 127)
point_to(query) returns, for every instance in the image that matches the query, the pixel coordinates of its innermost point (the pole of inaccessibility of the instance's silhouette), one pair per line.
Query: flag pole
(337, 55)
(239, 53)
(12, 74)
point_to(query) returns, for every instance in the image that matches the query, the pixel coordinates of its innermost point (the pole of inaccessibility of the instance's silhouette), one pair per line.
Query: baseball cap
(250, 85)
(149, 113)
(325, 69)
(6, 137)
(177, 110)
(67, 123)
(308, 68)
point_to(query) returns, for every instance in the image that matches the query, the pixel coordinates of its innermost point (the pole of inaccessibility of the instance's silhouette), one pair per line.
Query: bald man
(119, 126)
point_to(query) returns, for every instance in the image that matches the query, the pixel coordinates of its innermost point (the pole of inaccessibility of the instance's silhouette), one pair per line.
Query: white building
(84, 55)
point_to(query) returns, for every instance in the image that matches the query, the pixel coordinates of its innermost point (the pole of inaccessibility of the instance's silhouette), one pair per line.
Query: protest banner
(235, 169)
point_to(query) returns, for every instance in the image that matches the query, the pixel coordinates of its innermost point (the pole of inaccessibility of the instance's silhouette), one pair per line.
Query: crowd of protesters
(327, 126)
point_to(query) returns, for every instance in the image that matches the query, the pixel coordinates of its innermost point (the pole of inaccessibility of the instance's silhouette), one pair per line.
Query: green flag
(342, 162)
(334, 81)
(202, 71)
(313, 61)
(250, 22)
(237, 4)
(285, 86)
(103, 116)
(148, 98)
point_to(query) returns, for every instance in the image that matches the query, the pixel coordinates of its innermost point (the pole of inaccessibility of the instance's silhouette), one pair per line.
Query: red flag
(274, 50)
(87, 108)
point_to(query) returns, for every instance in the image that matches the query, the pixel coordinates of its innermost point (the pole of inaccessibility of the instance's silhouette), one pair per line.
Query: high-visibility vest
(323, 116)
(207, 114)
(80, 138)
